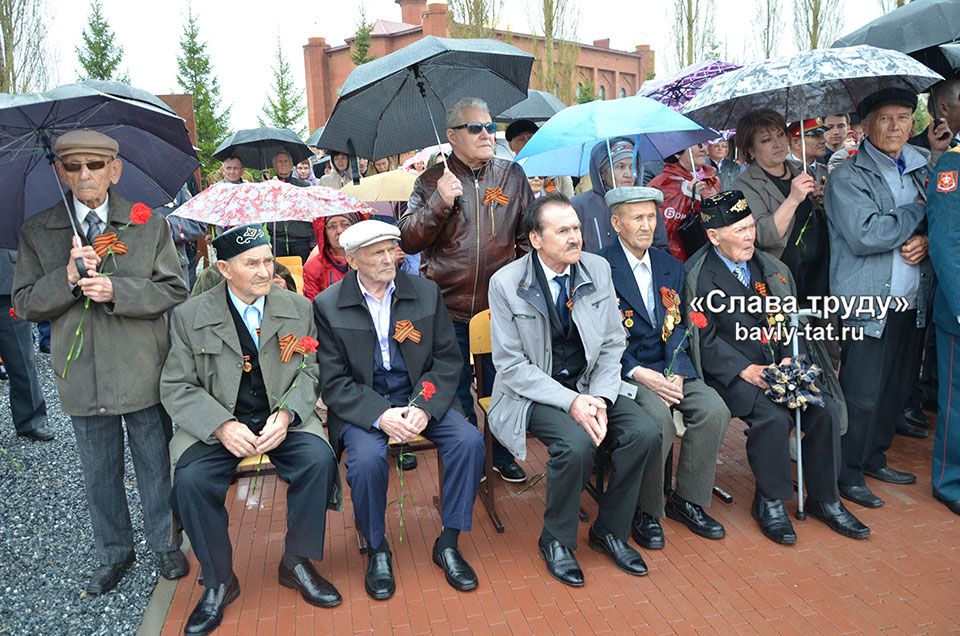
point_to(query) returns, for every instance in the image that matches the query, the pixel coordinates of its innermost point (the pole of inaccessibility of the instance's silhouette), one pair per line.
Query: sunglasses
(474, 127)
(92, 166)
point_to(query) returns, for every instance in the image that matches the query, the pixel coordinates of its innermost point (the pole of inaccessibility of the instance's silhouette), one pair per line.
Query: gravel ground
(46, 543)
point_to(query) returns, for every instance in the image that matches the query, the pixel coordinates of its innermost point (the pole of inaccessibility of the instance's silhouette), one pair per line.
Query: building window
(623, 92)
(603, 92)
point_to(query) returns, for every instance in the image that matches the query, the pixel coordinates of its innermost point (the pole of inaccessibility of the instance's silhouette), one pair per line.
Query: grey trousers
(27, 405)
(706, 418)
(100, 442)
(632, 438)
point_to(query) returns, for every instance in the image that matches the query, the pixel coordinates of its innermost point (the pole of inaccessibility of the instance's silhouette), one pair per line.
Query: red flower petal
(698, 319)
(428, 390)
(309, 344)
(140, 213)
(13, 314)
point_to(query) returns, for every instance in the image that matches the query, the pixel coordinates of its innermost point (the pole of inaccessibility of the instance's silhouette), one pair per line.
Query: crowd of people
(595, 288)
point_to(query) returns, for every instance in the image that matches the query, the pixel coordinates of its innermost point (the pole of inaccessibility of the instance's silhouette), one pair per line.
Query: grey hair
(455, 112)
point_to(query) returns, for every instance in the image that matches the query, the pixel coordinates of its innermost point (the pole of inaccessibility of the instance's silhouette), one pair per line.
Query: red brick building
(613, 73)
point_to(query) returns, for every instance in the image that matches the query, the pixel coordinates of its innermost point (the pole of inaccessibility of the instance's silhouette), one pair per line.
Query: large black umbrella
(538, 106)
(122, 89)
(154, 146)
(255, 147)
(920, 29)
(378, 113)
(314, 137)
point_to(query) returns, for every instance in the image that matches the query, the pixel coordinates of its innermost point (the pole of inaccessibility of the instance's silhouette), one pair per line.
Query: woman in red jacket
(684, 186)
(329, 264)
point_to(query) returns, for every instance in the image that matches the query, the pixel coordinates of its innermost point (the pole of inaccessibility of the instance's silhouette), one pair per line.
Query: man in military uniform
(242, 379)
(943, 218)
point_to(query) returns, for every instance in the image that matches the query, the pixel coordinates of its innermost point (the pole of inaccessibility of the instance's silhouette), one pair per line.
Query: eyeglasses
(92, 166)
(474, 127)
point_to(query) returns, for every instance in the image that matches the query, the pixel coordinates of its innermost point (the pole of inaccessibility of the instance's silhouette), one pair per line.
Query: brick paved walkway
(904, 579)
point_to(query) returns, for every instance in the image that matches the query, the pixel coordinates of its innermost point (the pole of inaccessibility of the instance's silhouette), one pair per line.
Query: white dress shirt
(554, 284)
(643, 274)
(82, 211)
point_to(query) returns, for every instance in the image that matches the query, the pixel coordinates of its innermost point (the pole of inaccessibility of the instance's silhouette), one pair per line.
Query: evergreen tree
(195, 76)
(100, 54)
(361, 42)
(284, 109)
(586, 93)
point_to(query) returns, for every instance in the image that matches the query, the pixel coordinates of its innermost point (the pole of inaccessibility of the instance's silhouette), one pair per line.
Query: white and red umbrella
(228, 204)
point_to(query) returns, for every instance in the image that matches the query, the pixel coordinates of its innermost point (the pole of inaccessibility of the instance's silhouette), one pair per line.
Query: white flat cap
(367, 233)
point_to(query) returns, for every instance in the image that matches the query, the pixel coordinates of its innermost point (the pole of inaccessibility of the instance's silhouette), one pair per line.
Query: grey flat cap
(632, 194)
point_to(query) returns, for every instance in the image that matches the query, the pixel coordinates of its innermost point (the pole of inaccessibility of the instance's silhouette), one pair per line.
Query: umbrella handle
(48, 150)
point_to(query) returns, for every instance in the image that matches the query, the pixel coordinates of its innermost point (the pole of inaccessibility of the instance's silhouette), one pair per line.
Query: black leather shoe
(458, 572)
(907, 429)
(511, 472)
(916, 416)
(408, 461)
(106, 577)
(838, 518)
(304, 578)
(860, 495)
(561, 564)
(379, 581)
(208, 613)
(173, 565)
(623, 556)
(952, 505)
(39, 434)
(694, 517)
(891, 475)
(646, 531)
(771, 514)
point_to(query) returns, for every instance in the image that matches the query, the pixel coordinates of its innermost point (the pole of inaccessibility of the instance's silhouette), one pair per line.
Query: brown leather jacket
(464, 246)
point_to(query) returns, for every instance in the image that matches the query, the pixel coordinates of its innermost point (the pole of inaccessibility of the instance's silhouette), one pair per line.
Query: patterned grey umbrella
(538, 106)
(922, 28)
(807, 84)
(380, 110)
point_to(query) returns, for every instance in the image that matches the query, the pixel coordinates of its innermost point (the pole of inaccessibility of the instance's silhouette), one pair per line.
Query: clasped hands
(99, 289)
(404, 423)
(242, 442)
(590, 413)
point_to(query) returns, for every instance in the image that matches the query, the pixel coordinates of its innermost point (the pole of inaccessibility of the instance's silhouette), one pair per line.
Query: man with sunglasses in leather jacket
(464, 216)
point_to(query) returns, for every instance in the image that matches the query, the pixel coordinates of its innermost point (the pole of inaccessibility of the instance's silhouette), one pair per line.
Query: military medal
(247, 367)
(629, 318)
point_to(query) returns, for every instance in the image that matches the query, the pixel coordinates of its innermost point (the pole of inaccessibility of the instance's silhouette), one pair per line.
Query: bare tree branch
(767, 24)
(816, 23)
(555, 69)
(473, 18)
(25, 61)
(693, 31)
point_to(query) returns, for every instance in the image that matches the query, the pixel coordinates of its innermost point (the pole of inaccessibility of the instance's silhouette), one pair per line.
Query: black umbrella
(122, 89)
(314, 137)
(918, 28)
(255, 147)
(538, 106)
(376, 113)
(154, 146)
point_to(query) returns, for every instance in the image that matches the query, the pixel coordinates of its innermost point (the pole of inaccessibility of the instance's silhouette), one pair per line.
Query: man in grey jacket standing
(557, 345)
(875, 205)
(114, 373)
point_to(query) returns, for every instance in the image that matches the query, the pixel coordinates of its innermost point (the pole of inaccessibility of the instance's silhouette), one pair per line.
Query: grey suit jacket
(522, 354)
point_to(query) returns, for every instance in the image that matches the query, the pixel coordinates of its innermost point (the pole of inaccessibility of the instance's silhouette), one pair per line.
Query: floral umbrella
(676, 90)
(229, 204)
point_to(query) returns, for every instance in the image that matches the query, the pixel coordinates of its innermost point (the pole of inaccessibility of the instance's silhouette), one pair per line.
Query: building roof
(386, 27)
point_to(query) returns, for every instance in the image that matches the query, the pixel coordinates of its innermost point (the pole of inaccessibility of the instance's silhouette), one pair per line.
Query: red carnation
(698, 319)
(428, 390)
(763, 339)
(309, 344)
(13, 314)
(140, 213)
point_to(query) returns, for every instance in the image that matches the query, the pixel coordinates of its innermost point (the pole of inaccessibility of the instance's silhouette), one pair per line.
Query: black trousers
(768, 449)
(303, 460)
(877, 375)
(633, 438)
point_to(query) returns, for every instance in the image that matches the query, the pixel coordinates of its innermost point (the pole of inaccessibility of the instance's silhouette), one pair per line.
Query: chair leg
(361, 542)
(488, 487)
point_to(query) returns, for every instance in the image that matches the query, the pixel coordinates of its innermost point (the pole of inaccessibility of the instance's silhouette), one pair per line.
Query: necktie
(93, 226)
(648, 299)
(251, 316)
(563, 312)
(740, 272)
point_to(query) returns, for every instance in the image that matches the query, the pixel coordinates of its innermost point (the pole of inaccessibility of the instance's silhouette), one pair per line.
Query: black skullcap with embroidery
(724, 209)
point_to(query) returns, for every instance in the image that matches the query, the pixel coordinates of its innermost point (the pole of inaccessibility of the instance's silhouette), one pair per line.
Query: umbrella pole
(795, 321)
(48, 149)
(613, 175)
(422, 85)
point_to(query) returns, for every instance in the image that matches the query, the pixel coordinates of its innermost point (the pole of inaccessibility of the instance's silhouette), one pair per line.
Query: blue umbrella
(562, 145)
(154, 146)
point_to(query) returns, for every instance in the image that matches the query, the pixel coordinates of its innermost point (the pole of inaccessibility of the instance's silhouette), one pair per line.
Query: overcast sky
(241, 35)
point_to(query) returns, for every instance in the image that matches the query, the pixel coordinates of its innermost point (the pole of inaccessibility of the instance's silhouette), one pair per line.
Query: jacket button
(202, 350)
(102, 411)
(230, 405)
(239, 365)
